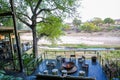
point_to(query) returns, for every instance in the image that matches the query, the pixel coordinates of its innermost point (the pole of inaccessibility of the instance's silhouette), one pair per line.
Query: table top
(70, 67)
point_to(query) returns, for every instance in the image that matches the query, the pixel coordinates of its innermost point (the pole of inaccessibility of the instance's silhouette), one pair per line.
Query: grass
(83, 46)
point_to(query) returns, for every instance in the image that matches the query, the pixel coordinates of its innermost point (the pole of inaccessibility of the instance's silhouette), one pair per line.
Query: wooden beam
(6, 14)
(6, 30)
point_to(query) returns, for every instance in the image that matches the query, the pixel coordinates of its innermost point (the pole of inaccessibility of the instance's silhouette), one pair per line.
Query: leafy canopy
(89, 27)
(97, 21)
(46, 15)
(76, 22)
(52, 29)
(37, 10)
(108, 20)
(5, 7)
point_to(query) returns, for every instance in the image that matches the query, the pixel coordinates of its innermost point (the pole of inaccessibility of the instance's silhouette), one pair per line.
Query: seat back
(56, 77)
(48, 77)
(78, 78)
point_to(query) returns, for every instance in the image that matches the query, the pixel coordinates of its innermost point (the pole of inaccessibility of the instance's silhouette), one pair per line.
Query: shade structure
(11, 34)
(5, 29)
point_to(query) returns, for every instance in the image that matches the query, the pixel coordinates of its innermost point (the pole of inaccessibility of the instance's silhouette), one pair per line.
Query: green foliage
(118, 27)
(89, 27)
(34, 13)
(8, 77)
(112, 59)
(97, 21)
(30, 63)
(29, 9)
(66, 27)
(113, 55)
(76, 22)
(51, 29)
(109, 21)
(27, 58)
(111, 28)
(8, 22)
(4, 6)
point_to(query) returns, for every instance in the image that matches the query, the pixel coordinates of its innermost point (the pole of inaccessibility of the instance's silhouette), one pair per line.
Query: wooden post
(55, 54)
(12, 52)
(44, 55)
(16, 36)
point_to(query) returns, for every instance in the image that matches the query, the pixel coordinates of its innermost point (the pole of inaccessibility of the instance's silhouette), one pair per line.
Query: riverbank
(111, 38)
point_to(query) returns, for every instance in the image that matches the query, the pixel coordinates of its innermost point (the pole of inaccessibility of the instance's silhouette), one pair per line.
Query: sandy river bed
(82, 38)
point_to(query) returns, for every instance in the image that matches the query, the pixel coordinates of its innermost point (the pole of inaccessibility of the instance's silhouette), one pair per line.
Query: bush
(111, 28)
(8, 77)
(89, 27)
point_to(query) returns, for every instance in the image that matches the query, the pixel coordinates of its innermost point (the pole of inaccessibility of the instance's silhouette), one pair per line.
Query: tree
(89, 27)
(51, 30)
(108, 21)
(76, 22)
(6, 21)
(34, 12)
(97, 21)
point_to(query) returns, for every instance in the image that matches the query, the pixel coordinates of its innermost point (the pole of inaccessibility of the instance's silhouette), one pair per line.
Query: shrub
(111, 28)
(89, 27)
(8, 77)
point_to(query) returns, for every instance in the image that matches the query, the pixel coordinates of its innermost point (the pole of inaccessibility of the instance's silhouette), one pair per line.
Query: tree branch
(31, 7)
(46, 10)
(39, 2)
(24, 22)
(25, 15)
(41, 21)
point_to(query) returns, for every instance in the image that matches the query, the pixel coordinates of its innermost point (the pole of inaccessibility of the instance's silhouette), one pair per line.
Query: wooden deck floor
(95, 70)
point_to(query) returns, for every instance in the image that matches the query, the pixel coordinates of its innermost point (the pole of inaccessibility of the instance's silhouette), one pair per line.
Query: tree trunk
(35, 49)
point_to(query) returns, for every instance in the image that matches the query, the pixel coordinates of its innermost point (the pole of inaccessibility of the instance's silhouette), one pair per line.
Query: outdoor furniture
(82, 73)
(72, 57)
(70, 67)
(85, 67)
(93, 58)
(92, 69)
(45, 72)
(50, 64)
(63, 60)
(48, 77)
(81, 60)
(55, 71)
(78, 78)
(64, 72)
(56, 77)
(59, 58)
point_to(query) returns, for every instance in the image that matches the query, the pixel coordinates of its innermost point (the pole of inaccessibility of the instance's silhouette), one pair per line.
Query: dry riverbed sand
(94, 38)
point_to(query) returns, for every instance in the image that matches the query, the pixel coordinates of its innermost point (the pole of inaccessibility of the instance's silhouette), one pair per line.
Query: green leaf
(51, 28)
